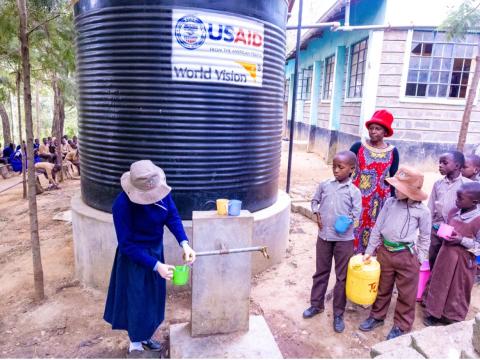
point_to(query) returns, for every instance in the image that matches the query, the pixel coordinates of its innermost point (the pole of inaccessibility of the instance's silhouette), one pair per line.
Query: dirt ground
(68, 323)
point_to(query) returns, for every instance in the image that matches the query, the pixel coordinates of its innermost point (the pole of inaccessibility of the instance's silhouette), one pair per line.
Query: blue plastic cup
(234, 207)
(342, 223)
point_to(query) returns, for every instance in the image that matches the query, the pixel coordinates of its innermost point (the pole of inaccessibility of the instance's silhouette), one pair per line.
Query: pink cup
(445, 231)
(423, 279)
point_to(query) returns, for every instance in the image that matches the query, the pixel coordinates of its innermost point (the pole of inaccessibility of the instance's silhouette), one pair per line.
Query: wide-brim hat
(384, 118)
(145, 183)
(409, 181)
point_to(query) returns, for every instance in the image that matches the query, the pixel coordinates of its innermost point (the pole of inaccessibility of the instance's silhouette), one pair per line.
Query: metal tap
(262, 249)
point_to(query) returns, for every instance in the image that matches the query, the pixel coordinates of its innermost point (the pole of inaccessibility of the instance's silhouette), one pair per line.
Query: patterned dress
(373, 166)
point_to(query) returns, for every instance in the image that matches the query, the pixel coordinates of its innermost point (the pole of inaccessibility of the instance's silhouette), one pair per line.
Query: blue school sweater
(140, 227)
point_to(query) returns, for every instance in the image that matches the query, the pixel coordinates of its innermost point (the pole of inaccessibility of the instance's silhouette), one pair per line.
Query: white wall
(418, 12)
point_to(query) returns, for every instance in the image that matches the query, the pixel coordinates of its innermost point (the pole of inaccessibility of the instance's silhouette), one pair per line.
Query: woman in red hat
(376, 160)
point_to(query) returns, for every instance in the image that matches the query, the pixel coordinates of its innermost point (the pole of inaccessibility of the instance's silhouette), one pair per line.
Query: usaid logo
(190, 32)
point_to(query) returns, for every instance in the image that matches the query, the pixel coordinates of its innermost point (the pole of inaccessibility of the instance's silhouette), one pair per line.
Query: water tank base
(95, 241)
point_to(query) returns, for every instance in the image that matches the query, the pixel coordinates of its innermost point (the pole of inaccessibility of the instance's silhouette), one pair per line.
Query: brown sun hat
(145, 183)
(409, 181)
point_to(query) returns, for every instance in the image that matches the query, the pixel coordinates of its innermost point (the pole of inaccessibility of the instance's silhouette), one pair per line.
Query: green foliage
(7, 85)
(52, 54)
(57, 56)
(46, 5)
(9, 42)
(71, 127)
(466, 17)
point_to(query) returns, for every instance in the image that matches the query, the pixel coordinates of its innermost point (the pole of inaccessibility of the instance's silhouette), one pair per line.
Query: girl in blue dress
(137, 291)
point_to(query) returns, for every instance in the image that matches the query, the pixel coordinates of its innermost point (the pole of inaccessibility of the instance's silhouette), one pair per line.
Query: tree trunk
(37, 110)
(7, 135)
(58, 119)
(24, 168)
(472, 93)
(32, 196)
(12, 117)
(58, 107)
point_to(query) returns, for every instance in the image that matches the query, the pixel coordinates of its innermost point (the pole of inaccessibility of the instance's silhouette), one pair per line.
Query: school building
(414, 71)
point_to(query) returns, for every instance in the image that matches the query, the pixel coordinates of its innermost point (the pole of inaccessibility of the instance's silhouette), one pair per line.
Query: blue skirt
(136, 297)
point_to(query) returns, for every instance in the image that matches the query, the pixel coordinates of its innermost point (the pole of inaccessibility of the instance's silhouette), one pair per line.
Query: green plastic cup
(180, 275)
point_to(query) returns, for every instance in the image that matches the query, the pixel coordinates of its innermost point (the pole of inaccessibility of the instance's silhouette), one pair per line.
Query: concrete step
(437, 342)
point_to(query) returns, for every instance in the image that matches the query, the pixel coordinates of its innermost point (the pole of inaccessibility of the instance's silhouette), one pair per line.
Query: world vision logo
(250, 68)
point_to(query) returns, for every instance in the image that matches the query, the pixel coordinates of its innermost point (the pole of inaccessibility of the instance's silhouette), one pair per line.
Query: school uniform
(43, 149)
(136, 295)
(16, 161)
(73, 156)
(401, 237)
(46, 168)
(7, 152)
(442, 200)
(453, 277)
(332, 199)
(64, 149)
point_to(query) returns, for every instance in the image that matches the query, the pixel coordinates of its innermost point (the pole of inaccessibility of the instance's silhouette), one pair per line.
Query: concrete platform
(95, 240)
(257, 343)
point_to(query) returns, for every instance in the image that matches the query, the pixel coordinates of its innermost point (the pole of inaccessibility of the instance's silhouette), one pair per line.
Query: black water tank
(151, 86)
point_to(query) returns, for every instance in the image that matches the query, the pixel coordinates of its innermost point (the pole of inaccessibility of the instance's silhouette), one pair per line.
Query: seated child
(16, 160)
(334, 197)
(401, 237)
(74, 158)
(471, 170)
(453, 277)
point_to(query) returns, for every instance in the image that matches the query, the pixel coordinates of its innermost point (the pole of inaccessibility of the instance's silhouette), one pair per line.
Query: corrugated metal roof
(335, 13)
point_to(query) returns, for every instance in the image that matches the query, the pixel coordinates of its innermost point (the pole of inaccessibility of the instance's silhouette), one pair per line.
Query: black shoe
(431, 321)
(141, 354)
(445, 321)
(395, 332)
(153, 345)
(311, 312)
(338, 324)
(370, 323)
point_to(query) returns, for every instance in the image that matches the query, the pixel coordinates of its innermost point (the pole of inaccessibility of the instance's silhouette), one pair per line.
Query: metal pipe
(337, 27)
(347, 13)
(383, 27)
(9, 187)
(294, 97)
(262, 249)
(333, 24)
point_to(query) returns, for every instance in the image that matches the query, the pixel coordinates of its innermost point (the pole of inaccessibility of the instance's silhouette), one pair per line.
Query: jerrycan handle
(357, 266)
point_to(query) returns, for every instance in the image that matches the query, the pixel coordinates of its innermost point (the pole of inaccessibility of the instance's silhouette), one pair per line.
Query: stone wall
(456, 341)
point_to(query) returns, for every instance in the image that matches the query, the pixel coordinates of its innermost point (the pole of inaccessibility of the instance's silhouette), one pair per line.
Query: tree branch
(473, 9)
(43, 23)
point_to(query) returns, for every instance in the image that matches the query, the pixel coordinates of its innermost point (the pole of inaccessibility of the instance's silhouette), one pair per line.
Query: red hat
(384, 118)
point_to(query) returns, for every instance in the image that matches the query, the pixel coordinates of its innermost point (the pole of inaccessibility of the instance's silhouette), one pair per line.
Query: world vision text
(209, 74)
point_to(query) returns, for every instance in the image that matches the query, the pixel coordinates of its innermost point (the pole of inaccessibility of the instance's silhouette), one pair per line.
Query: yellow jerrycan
(362, 280)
